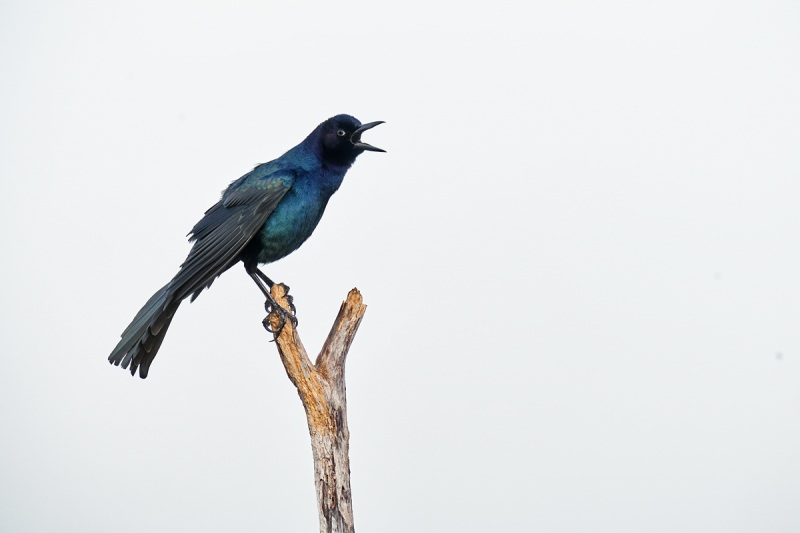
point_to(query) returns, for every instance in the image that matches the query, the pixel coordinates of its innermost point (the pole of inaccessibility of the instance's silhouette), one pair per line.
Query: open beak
(356, 137)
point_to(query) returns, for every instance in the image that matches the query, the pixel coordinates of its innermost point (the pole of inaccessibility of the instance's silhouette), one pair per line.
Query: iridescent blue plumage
(261, 217)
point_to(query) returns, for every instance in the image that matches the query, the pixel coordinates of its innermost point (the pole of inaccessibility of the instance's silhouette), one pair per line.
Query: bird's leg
(270, 283)
(264, 284)
(271, 305)
(264, 277)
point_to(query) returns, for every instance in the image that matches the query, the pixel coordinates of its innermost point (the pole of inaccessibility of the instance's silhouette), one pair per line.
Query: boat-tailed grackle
(263, 216)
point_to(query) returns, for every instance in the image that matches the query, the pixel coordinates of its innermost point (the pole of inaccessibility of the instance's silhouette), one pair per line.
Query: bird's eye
(341, 133)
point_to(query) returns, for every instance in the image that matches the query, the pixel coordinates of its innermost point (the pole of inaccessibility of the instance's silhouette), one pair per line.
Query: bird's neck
(316, 174)
(329, 180)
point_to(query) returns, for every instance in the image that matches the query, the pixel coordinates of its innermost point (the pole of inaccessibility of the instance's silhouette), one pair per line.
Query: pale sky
(580, 257)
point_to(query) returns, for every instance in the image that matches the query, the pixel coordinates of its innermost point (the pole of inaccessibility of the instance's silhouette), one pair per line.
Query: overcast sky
(580, 256)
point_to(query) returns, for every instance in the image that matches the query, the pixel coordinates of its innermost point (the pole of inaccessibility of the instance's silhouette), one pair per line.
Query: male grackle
(263, 216)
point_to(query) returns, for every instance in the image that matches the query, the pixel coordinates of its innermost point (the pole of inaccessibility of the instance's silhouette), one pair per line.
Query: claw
(272, 306)
(290, 300)
(268, 325)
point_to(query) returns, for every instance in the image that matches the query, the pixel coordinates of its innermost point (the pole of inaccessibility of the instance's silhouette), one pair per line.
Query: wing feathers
(228, 226)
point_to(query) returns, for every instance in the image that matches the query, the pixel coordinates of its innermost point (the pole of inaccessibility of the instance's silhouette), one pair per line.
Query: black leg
(265, 284)
(260, 284)
(289, 297)
(266, 280)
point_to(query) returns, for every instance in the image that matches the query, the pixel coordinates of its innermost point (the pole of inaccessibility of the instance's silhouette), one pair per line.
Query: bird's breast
(289, 225)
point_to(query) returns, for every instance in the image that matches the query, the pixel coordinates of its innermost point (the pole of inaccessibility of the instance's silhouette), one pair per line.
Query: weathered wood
(321, 387)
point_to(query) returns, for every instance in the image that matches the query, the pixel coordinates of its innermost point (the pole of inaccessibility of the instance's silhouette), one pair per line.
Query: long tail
(143, 337)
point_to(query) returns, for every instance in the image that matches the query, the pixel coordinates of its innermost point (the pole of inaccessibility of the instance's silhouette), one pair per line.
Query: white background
(580, 256)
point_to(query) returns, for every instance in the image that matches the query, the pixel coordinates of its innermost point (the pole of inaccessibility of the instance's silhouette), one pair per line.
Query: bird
(260, 218)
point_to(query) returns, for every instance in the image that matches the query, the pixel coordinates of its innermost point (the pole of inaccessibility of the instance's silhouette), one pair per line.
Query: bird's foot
(292, 308)
(272, 306)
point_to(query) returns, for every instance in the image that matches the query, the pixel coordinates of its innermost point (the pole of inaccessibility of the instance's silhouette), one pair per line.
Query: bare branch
(322, 391)
(332, 357)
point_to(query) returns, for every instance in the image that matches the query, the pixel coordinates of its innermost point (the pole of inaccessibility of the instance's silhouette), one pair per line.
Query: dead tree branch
(322, 390)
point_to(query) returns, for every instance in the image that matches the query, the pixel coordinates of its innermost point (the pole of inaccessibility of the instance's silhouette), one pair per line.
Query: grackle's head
(339, 139)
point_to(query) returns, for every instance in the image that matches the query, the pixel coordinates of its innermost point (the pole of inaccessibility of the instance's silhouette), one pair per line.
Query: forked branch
(321, 387)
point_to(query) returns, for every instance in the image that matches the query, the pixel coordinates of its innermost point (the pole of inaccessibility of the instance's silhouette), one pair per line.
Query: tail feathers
(143, 337)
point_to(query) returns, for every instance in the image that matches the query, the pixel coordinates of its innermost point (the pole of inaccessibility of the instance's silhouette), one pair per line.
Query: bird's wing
(222, 234)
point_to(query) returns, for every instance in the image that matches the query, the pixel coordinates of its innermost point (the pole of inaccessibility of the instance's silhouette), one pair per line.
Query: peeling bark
(321, 388)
